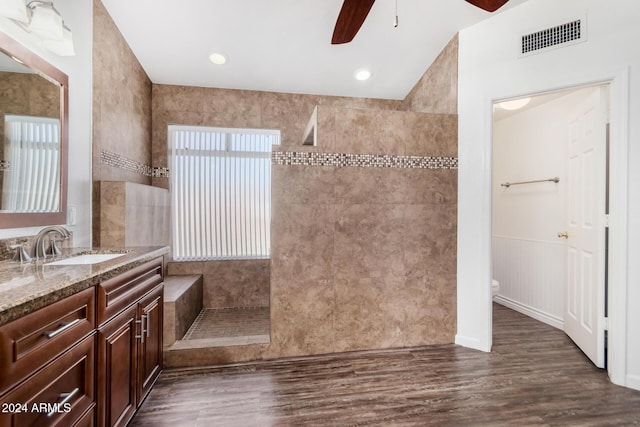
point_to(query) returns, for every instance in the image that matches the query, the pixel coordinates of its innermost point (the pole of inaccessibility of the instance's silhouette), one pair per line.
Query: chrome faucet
(40, 250)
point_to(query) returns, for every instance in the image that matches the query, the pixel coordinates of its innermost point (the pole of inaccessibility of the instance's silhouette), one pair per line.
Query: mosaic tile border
(296, 158)
(304, 158)
(117, 161)
(159, 172)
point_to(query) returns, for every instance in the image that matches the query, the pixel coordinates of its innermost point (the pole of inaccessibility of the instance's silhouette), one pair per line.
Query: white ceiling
(535, 100)
(285, 45)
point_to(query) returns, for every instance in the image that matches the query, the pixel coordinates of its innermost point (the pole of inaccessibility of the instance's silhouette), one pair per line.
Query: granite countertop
(26, 287)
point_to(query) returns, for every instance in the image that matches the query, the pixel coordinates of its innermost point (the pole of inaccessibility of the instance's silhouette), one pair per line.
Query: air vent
(559, 36)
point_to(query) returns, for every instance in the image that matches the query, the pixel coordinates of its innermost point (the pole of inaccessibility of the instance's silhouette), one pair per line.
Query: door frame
(601, 252)
(618, 217)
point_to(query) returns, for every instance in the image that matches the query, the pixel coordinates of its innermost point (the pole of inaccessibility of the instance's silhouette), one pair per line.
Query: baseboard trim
(633, 381)
(530, 311)
(473, 343)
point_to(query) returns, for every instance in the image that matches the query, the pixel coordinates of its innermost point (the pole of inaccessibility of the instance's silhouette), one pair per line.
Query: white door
(586, 190)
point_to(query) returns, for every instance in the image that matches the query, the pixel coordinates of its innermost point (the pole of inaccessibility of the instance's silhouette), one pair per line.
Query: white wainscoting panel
(532, 277)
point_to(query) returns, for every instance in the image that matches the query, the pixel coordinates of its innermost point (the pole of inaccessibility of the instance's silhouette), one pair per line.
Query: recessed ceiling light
(218, 58)
(362, 74)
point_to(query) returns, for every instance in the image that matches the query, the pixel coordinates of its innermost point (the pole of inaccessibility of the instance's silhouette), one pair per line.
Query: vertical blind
(220, 192)
(33, 149)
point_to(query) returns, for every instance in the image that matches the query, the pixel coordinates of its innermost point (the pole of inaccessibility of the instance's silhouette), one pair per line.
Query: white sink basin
(85, 259)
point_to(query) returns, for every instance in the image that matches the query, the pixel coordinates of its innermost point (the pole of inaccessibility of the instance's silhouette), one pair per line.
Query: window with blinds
(220, 192)
(30, 161)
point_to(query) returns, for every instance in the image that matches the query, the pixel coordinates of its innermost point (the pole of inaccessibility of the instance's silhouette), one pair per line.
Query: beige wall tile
(236, 283)
(132, 214)
(369, 131)
(372, 186)
(112, 221)
(302, 242)
(302, 314)
(185, 268)
(372, 313)
(431, 134)
(437, 90)
(311, 185)
(206, 356)
(368, 241)
(385, 237)
(429, 239)
(121, 101)
(113, 193)
(429, 186)
(28, 94)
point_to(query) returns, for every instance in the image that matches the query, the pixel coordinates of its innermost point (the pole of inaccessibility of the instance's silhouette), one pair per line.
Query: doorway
(549, 189)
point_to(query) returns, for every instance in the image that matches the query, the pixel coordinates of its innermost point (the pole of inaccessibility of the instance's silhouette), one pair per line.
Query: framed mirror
(34, 129)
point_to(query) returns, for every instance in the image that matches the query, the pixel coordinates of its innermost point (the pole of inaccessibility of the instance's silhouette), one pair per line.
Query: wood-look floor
(535, 376)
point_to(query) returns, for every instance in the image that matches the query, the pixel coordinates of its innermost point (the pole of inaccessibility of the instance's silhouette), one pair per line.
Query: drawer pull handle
(66, 397)
(63, 327)
(143, 330)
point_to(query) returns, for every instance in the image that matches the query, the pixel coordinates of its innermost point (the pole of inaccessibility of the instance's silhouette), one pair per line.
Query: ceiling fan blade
(350, 19)
(488, 5)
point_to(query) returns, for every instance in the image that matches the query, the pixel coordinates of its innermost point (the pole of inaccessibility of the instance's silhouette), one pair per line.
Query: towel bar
(509, 184)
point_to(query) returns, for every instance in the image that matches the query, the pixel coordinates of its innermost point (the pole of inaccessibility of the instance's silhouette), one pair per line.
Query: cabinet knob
(563, 234)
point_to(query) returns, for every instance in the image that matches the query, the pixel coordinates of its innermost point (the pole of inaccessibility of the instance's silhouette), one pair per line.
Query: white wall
(529, 259)
(490, 68)
(78, 17)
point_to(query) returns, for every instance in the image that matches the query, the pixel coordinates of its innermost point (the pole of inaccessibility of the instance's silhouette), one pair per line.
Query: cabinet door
(87, 419)
(150, 346)
(117, 360)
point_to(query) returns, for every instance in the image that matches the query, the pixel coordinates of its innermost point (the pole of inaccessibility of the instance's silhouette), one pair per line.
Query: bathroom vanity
(80, 343)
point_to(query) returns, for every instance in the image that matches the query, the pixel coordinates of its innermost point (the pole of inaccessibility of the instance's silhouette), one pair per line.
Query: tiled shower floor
(231, 326)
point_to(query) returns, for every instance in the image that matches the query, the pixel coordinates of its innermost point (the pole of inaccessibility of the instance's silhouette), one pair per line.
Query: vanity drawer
(58, 395)
(30, 342)
(117, 293)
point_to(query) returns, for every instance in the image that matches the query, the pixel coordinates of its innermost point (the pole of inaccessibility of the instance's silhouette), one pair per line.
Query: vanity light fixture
(14, 9)
(362, 74)
(62, 47)
(46, 22)
(218, 58)
(40, 18)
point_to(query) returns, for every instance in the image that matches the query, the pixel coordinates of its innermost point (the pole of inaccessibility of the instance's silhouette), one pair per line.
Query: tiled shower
(363, 225)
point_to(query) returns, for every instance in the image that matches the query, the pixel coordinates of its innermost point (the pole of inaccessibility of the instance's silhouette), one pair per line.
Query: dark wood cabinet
(150, 348)
(129, 342)
(88, 359)
(47, 365)
(117, 351)
(60, 394)
(29, 343)
(119, 292)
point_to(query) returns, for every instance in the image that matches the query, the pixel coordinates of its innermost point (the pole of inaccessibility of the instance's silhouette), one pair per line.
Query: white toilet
(495, 287)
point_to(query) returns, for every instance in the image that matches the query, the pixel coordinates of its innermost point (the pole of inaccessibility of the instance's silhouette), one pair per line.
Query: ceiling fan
(354, 12)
